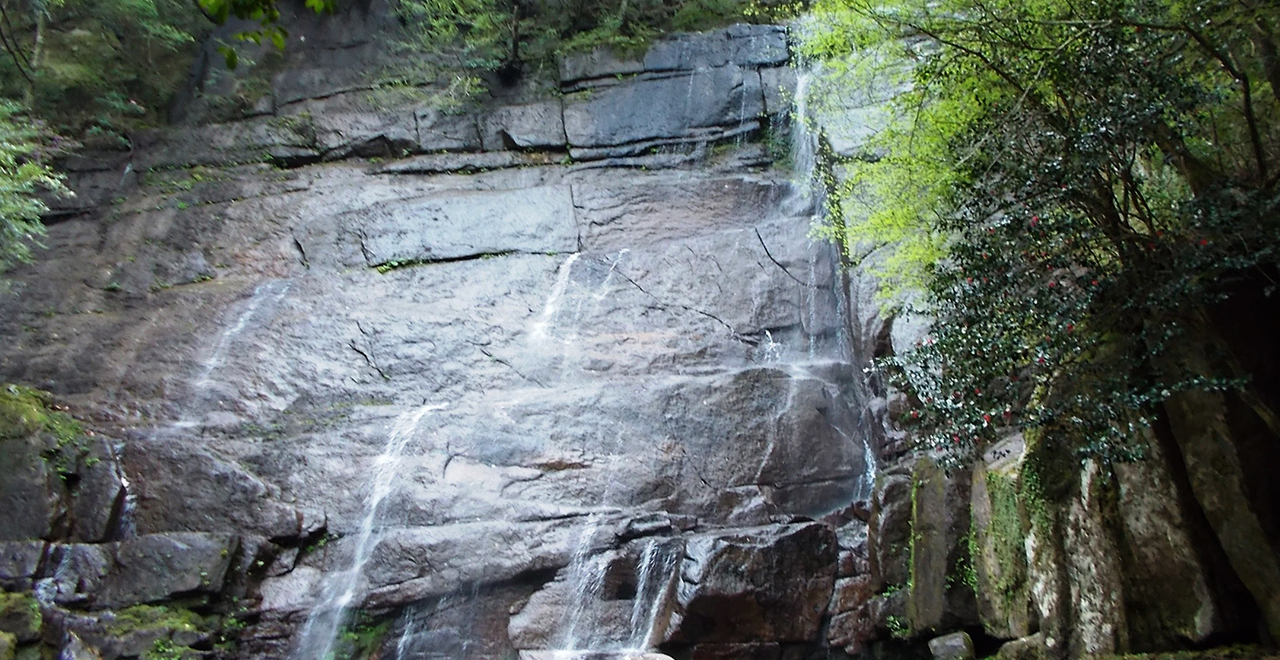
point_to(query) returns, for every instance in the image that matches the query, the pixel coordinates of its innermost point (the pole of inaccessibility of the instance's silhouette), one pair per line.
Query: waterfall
(804, 140)
(586, 573)
(276, 290)
(655, 575)
(554, 301)
(330, 613)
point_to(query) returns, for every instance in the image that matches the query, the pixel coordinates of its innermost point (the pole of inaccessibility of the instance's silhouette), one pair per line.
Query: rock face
(545, 389)
(554, 375)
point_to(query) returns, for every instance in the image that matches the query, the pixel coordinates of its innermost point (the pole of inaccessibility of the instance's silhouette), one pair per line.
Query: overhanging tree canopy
(1073, 184)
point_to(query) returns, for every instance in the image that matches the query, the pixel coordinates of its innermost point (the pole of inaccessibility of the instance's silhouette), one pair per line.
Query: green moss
(20, 613)
(1005, 534)
(25, 411)
(155, 617)
(361, 640)
(1049, 477)
(164, 649)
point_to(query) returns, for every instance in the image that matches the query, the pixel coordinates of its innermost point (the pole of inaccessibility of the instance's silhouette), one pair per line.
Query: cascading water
(655, 577)
(275, 290)
(330, 613)
(555, 338)
(586, 572)
(554, 301)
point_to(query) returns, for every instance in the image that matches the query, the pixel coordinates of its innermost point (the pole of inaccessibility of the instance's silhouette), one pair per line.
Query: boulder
(939, 597)
(134, 632)
(30, 495)
(77, 573)
(74, 648)
(999, 560)
(99, 499)
(20, 616)
(955, 646)
(157, 567)
(890, 529)
(19, 563)
(926, 600)
(1168, 599)
(1093, 570)
(1025, 648)
(768, 584)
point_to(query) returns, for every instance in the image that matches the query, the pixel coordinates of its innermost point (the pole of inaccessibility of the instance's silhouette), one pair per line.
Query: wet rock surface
(627, 392)
(630, 374)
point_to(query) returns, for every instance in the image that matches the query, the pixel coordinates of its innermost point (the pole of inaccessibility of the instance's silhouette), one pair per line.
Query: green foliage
(511, 37)
(898, 628)
(1070, 185)
(264, 12)
(25, 150)
(98, 68)
(164, 649)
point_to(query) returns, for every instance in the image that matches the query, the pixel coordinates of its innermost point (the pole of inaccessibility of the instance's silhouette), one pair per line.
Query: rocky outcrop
(549, 369)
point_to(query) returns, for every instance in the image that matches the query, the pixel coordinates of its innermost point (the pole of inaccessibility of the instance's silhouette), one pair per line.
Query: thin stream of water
(330, 614)
(554, 301)
(276, 289)
(586, 573)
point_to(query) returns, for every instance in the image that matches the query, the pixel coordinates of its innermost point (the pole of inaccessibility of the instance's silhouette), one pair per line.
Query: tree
(1073, 185)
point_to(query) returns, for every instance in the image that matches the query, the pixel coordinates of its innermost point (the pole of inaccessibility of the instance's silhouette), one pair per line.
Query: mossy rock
(361, 640)
(34, 652)
(20, 616)
(155, 618)
(25, 411)
(8, 646)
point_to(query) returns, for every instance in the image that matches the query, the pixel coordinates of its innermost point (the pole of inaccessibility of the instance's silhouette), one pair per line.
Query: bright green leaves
(1070, 185)
(25, 150)
(264, 12)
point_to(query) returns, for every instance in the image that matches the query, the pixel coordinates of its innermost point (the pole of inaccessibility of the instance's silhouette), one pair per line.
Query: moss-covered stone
(361, 640)
(34, 652)
(8, 646)
(20, 616)
(998, 547)
(25, 411)
(926, 597)
(155, 617)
